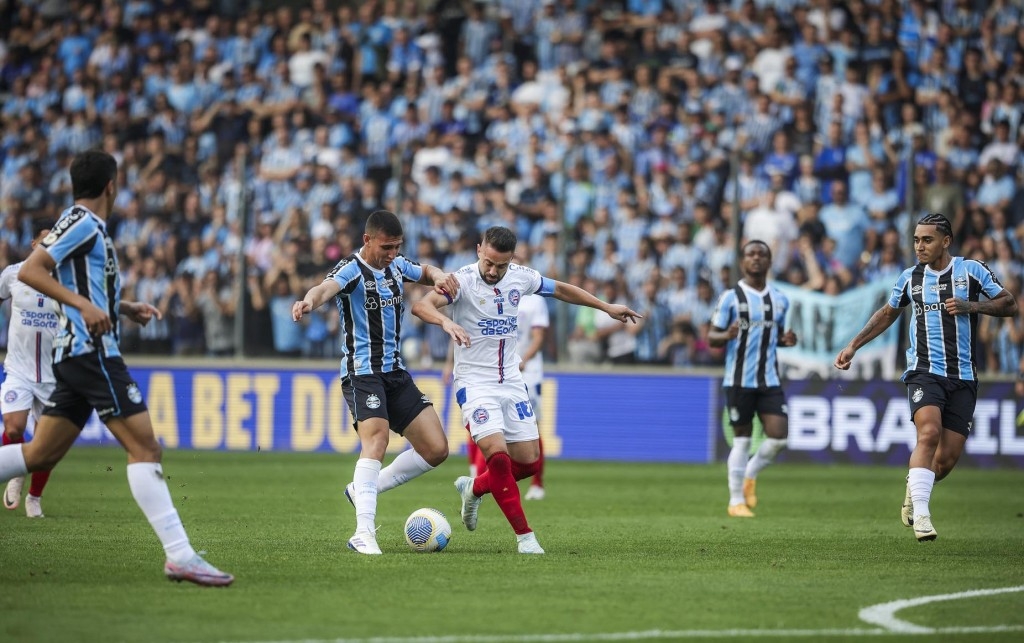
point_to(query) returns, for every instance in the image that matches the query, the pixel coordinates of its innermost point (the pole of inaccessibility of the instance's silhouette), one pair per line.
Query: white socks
(921, 481)
(737, 464)
(402, 469)
(146, 480)
(365, 481)
(12, 462)
(769, 448)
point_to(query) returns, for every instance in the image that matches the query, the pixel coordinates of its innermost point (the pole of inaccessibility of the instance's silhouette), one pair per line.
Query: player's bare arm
(537, 334)
(139, 312)
(441, 281)
(37, 272)
(1002, 305)
(317, 296)
(575, 295)
(787, 339)
(719, 337)
(882, 319)
(429, 310)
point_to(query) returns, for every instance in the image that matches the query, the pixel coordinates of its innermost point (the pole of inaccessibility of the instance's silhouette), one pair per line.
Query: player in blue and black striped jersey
(76, 266)
(945, 294)
(749, 321)
(368, 288)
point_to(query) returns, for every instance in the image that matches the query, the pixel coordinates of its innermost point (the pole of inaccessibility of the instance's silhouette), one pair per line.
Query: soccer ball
(427, 530)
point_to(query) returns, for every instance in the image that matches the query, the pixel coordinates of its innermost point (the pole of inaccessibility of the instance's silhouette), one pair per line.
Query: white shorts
(505, 409)
(20, 394)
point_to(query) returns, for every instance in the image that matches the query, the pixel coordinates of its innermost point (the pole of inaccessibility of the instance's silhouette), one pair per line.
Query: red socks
(522, 471)
(9, 440)
(500, 483)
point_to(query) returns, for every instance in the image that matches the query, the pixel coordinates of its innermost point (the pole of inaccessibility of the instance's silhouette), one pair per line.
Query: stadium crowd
(602, 131)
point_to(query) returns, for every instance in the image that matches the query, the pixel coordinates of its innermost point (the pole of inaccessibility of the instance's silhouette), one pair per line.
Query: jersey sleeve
(899, 297)
(538, 283)
(7, 278)
(725, 311)
(346, 274)
(410, 270)
(783, 311)
(73, 235)
(464, 283)
(980, 272)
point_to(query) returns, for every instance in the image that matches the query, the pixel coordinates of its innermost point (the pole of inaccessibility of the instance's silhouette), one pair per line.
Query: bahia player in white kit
(489, 386)
(28, 372)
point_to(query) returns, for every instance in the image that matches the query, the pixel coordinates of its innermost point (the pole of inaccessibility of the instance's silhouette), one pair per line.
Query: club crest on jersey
(480, 416)
(918, 395)
(372, 401)
(513, 297)
(40, 300)
(10, 396)
(134, 394)
(960, 282)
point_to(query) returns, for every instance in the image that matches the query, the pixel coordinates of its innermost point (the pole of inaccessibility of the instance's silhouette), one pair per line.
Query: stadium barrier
(597, 415)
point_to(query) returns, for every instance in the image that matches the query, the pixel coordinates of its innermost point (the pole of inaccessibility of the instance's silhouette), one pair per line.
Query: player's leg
(536, 490)
(34, 498)
(740, 407)
(367, 400)
(14, 433)
(414, 418)
(928, 396)
(957, 419)
(771, 408)
(477, 462)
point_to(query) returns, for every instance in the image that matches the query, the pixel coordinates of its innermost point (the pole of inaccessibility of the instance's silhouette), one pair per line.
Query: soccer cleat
(528, 544)
(12, 495)
(197, 571)
(33, 508)
(534, 493)
(750, 492)
(923, 529)
(350, 493)
(470, 503)
(740, 510)
(364, 542)
(907, 511)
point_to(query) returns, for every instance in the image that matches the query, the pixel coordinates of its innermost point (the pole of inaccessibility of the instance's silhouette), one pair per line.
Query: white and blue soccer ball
(427, 530)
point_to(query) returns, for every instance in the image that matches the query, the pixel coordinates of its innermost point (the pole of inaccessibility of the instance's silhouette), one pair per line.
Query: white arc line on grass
(884, 614)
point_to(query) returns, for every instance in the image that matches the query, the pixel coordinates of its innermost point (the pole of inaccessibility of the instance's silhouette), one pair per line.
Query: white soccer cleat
(923, 529)
(350, 493)
(528, 544)
(907, 510)
(364, 542)
(33, 508)
(12, 494)
(470, 503)
(534, 493)
(198, 571)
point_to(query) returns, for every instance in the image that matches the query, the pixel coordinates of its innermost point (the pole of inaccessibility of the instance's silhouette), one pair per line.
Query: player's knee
(14, 428)
(929, 433)
(435, 454)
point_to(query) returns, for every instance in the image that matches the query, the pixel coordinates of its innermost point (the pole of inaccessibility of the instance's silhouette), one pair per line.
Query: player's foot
(470, 503)
(364, 542)
(198, 571)
(750, 492)
(350, 493)
(907, 511)
(12, 495)
(740, 510)
(33, 508)
(923, 529)
(528, 544)
(534, 493)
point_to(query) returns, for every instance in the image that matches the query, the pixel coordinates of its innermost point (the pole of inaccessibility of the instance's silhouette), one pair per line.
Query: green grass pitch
(644, 551)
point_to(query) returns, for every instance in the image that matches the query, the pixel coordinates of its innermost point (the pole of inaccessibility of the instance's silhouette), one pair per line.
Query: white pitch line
(884, 614)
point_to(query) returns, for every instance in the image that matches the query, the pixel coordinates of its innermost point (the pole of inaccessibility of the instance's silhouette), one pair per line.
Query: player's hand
(457, 333)
(733, 331)
(957, 306)
(448, 287)
(141, 313)
(299, 309)
(96, 321)
(788, 339)
(844, 359)
(624, 313)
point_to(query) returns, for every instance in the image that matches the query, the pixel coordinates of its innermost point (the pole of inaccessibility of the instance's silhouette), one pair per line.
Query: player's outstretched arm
(882, 319)
(575, 295)
(139, 312)
(443, 282)
(317, 296)
(1002, 305)
(37, 272)
(429, 310)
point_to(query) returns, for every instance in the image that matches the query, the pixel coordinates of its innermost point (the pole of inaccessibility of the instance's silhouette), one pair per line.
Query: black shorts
(90, 382)
(955, 398)
(392, 396)
(742, 403)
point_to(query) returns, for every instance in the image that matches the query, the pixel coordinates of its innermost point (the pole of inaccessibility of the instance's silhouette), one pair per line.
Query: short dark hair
(757, 242)
(500, 238)
(91, 171)
(384, 221)
(38, 225)
(939, 221)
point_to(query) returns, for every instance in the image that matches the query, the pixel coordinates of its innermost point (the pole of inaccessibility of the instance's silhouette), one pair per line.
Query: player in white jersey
(533, 320)
(28, 372)
(489, 386)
